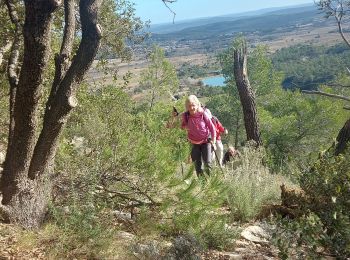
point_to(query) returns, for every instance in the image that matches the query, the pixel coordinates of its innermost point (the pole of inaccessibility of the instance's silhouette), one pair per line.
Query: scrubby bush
(251, 185)
(197, 209)
(298, 239)
(325, 225)
(118, 156)
(328, 186)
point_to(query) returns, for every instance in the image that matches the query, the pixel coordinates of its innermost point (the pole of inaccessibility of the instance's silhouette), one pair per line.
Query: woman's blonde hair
(192, 98)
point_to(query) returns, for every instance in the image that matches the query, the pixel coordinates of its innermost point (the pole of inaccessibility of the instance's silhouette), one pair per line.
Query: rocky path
(254, 243)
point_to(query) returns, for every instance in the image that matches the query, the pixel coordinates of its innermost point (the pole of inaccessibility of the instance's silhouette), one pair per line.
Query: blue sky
(155, 10)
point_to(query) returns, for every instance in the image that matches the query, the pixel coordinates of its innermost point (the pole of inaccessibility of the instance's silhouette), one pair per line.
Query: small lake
(217, 81)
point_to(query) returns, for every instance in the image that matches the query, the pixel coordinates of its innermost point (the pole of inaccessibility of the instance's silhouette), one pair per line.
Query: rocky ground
(253, 244)
(10, 248)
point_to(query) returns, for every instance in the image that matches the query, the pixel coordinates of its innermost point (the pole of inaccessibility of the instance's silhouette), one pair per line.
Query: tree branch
(56, 117)
(316, 92)
(340, 29)
(13, 64)
(62, 60)
(338, 85)
(167, 6)
(36, 38)
(338, 11)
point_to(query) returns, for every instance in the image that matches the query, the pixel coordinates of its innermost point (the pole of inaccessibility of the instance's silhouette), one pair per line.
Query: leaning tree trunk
(25, 182)
(246, 95)
(343, 139)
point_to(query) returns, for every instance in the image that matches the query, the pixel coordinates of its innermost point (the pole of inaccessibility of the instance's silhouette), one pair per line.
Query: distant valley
(196, 42)
(276, 28)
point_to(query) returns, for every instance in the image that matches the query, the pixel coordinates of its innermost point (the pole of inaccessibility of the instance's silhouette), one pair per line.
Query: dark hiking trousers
(198, 152)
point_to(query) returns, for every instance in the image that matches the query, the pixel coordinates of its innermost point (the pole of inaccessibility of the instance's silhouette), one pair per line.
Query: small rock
(126, 236)
(241, 243)
(66, 210)
(232, 256)
(184, 247)
(125, 216)
(255, 234)
(240, 249)
(146, 251)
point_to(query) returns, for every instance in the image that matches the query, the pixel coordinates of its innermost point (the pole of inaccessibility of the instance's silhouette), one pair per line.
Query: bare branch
(338, 85)
(167, 6)
(316, 92)
(340, 29)
(338, 11)
(62, 60)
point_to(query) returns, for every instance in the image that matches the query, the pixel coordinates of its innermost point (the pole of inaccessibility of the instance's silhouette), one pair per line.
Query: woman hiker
(200, 132)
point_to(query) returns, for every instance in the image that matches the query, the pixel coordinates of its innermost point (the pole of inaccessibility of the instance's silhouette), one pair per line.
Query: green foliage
(193, 71)
(289, 121)
(126, 29)
(114, 155)
(227, 108)
(325, 226)
(81, 230)
(327, 184)
(196, 209)
(160, 77)
(290, 126)
(306, 66)
(251, 185)
(299, 239)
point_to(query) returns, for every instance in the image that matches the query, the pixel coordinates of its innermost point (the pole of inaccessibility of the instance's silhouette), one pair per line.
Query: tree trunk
(246, 95)
(25, 182)
(343, 139)
(237, 128)
(36, 32)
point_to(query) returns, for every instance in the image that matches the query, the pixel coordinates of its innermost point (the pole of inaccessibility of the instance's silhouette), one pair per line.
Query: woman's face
(192, 107)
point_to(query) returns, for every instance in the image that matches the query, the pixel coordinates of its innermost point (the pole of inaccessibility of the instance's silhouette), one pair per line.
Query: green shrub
(298, 239)
(251, 185)
(327, 185)
(196, 208)
(114, 155)
(325, 225)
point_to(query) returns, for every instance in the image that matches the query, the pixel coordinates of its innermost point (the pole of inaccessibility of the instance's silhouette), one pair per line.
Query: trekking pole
(217, 158)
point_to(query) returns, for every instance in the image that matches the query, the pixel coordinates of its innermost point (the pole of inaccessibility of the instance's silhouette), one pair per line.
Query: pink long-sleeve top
(199, 127)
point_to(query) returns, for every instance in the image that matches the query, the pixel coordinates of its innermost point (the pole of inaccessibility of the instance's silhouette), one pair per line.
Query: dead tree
(25, 181)
(246, 94)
